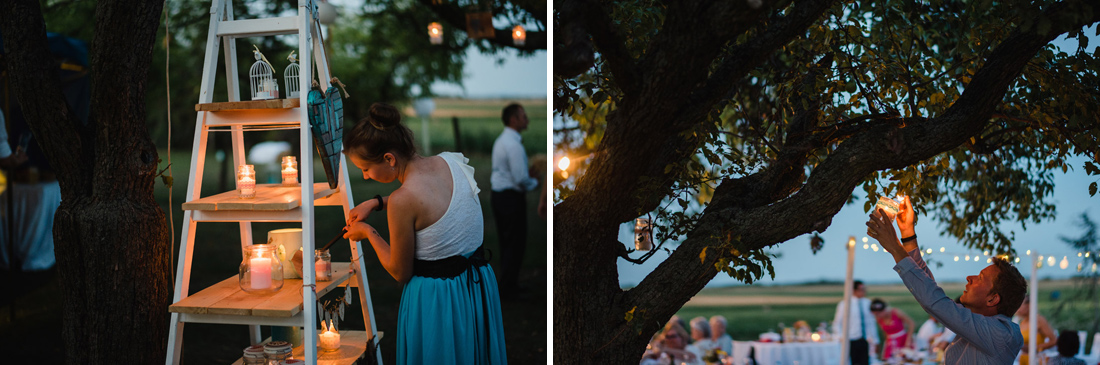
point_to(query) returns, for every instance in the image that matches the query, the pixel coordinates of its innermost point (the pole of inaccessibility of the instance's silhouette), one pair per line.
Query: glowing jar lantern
(519, 35)
(246, 181)
(435, 31)
(329, 338)
(290, 171)
(260, 272)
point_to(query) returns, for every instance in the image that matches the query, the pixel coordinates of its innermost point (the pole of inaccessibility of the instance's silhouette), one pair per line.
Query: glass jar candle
(323, 265)
(277, 351)
(290, 171)
(246, 181)
(261, 272)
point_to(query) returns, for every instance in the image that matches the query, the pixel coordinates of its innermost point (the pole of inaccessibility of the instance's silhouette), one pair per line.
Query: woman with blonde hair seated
(672, 347)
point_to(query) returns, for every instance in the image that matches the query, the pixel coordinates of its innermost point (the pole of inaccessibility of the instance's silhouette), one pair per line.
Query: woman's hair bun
(384, 116)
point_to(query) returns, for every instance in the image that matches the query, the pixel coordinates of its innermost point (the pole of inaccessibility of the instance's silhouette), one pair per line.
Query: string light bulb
(874, 247)
(563, 163)
(956, 258)
(865, 241)
(866, 246)
(1065, 263)
(942, 248)
(929, 251)
(1029, 252)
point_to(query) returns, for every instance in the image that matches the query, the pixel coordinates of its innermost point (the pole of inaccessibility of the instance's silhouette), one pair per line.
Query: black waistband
(449, 267)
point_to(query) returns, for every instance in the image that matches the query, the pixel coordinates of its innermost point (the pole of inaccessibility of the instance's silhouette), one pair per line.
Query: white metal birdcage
(261, 76)
(290, 77)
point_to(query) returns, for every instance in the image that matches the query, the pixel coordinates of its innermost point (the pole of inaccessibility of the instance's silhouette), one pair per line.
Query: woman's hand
(361, 211)
(359, 231)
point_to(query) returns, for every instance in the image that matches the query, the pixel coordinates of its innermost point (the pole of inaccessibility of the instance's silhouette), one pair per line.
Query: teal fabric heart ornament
(326, 120)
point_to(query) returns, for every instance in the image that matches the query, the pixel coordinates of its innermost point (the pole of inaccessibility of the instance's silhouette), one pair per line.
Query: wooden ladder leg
(358, 264)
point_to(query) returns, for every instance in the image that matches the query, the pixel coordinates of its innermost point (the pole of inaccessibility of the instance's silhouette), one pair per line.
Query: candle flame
(324, 327)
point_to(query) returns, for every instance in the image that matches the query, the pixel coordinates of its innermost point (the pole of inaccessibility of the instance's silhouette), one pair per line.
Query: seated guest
(700, 334)
(1043, 330)
(718, 334)
(1067, 348)
(672, 348)
(925, 334)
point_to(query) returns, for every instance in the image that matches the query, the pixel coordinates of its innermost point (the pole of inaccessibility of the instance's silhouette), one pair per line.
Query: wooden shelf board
(226, 297)
(352, 345)
(273, 197)
(250, 104)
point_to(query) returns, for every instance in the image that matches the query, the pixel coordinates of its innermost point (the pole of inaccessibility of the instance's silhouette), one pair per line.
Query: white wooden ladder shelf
(296, 303)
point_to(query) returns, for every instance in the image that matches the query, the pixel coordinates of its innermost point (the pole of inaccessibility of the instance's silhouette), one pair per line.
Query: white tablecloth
(800, 353)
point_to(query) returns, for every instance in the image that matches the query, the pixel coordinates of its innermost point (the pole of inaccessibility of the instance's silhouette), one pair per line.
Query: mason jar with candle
(277, 351)
(246, 181)
(261, 272)
(290, 171)
(323, 265)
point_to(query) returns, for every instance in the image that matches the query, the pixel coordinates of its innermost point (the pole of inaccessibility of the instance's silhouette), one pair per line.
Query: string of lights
(1042, 260)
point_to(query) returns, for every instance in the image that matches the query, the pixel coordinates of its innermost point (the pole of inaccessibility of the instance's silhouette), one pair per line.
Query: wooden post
(847, 301)
(1033, 312)
(458, 136)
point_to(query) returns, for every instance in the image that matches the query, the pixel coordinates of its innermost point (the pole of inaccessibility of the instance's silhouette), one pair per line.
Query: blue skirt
(451, 320)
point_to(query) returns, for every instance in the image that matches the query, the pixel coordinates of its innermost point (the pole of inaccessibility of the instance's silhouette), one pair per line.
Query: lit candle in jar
(329, 338)
(261, 272)
(246, 181)
(435, 33)
(290, 170)
(519, 35)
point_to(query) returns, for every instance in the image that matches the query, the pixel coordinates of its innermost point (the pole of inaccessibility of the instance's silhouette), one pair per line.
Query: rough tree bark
(670, 91)
(111, 238)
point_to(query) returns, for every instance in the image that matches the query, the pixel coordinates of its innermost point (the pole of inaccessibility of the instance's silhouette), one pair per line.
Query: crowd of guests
(674, 345)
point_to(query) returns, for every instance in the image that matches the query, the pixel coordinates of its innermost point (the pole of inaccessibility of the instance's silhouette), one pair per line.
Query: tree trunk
(111, 239)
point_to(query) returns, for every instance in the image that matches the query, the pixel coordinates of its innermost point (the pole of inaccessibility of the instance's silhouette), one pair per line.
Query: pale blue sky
(798, 264)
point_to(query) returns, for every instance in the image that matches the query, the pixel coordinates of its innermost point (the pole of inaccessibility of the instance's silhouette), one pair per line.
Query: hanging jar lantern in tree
(435, 32)
(519, 35)
(262, 78)
(290, 76)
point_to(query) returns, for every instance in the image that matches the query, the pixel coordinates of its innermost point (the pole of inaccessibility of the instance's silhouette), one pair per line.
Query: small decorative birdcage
(261, 76)
(290, 76)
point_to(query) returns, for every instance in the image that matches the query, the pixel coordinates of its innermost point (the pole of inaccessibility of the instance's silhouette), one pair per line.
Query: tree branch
(455, 16)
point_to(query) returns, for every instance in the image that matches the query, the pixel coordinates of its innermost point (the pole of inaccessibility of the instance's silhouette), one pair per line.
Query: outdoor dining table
(802, 353)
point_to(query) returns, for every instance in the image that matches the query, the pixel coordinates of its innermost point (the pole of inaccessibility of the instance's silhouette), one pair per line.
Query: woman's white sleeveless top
(462, 227)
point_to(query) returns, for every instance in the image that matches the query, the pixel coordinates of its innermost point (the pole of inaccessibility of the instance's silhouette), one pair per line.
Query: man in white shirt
(863, 331)
(511, 179)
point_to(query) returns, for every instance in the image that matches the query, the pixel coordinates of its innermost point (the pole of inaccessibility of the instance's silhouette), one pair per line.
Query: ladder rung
(258, 27)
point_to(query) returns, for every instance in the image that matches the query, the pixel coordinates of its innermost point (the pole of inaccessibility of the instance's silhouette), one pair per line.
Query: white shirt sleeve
(517, 166)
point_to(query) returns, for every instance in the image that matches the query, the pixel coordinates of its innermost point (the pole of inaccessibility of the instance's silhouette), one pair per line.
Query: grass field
(751, 310)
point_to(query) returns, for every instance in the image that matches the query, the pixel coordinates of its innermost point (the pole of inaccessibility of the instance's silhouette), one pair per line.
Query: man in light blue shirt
(982, 319)
(511, 179)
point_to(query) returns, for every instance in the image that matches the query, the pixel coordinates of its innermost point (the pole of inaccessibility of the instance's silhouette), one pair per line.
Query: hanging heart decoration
(326, 120)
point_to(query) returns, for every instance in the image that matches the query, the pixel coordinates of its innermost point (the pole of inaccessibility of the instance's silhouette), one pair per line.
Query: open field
(752, 310)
